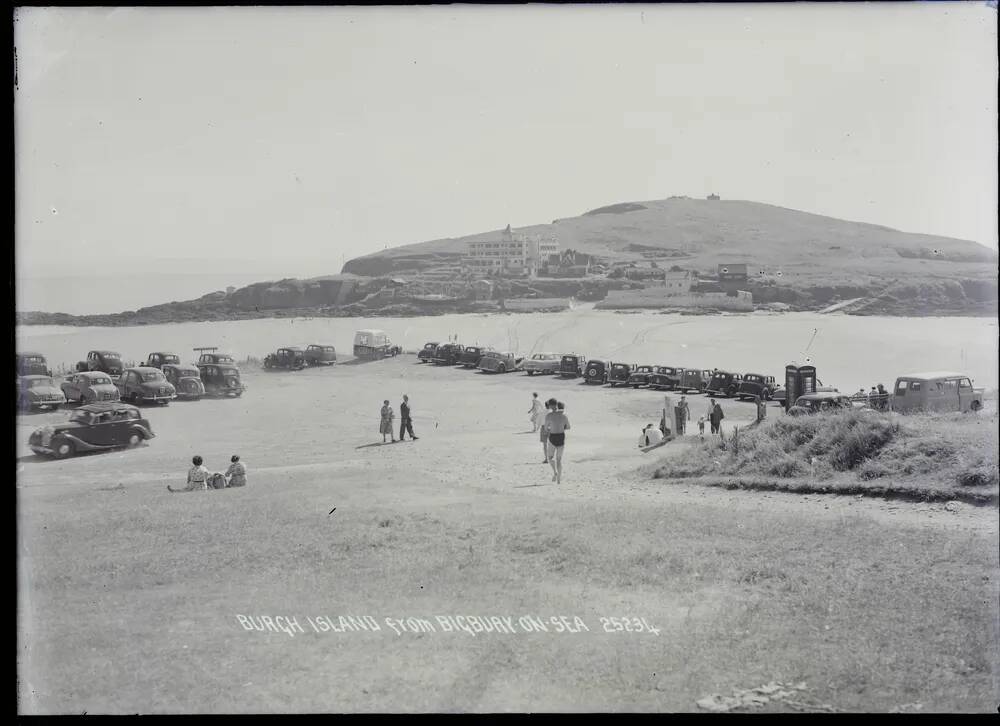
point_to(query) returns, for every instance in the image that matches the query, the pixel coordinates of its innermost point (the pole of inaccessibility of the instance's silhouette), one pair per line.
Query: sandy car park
(160, 598)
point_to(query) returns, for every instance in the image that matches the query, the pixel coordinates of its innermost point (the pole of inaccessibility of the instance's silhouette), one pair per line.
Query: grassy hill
(807, 249)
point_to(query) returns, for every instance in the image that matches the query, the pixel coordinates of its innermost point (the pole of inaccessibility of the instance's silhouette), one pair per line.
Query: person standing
(716, 419)
(883, 397)
(711, 416)
(682, 414)
(405, 422)
(385, 424)
(761, 409)
(557, 424)
(536, 413)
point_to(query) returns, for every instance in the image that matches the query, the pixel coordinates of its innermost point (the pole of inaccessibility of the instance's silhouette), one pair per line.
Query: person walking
(682, 414)
(711, 416)
(550, 405)
(236, 473)
(385, 424)
(557, 424)
(716, 419)
(405, 422)
(536, 413)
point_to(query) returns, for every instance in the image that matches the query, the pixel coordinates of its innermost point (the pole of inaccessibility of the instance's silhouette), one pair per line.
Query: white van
(936, 391)
(373, 344)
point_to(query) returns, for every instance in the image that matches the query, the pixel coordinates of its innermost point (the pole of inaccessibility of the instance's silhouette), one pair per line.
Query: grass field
(935, 456)
(129, 596)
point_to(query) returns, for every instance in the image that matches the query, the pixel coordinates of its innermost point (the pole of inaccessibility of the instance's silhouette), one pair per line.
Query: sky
(286, 140)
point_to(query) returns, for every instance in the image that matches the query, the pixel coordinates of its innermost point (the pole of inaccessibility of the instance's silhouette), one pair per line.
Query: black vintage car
(31, 364)
(640, 376)
(723, 384)
(596, 371)
(620, 373)
(755, 384)
(666, 378)
(448, 354)
(158, 360)
(572, 365)
(94, 427)
(471, 356)
(105, 361)
(291, 359)
(427, 352)
(320, 355)
(221, 379)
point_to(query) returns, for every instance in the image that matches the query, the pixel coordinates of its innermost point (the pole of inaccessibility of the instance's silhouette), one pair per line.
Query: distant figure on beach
(550, 405)
(883, 397)
(701, 427)
(682, 414)
(536, 413)
(236, 473)
(716, 419)
(405, 422)
(557, 425)
(197, 477)
(385, 425)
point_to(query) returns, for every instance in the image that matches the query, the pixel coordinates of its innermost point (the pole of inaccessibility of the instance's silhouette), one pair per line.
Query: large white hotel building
(510, 254)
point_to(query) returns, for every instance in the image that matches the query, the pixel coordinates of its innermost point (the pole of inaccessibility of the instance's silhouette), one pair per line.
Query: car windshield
(171, 358)
(186, 372)
(34, 359)
(40, 383)
(152, 376)
(752, 379)
(107, 355)
(100, 381)
(619, 366)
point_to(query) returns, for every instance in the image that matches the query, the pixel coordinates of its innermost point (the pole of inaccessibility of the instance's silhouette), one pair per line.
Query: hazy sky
(280, 140)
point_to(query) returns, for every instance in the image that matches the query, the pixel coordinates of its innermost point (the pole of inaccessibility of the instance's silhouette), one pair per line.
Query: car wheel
(531, 373)
(134, 439)
(975, 406)
(83, 400)
(502, 368)
(63, 449)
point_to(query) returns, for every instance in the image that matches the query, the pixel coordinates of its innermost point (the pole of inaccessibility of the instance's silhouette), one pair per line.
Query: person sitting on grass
(237, 472)
(197, 477)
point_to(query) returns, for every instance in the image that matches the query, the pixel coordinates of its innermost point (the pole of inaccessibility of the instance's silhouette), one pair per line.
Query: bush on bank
(926, 456)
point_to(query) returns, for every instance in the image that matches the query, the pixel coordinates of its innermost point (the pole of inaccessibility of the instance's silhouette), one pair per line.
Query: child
(701, 427)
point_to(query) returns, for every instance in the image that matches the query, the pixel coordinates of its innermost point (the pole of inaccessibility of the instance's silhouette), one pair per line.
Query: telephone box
(799, 381)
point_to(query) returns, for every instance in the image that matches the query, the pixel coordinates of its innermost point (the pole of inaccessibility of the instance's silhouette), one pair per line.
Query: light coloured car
(936, 391)
(89, 387)
(38, 392)
(541, 363)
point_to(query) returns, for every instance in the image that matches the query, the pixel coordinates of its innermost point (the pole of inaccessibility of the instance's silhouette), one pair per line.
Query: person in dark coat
(716, 419)
(405, 422)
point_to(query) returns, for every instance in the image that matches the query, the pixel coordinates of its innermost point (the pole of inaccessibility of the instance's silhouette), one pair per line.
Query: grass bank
(930, 457)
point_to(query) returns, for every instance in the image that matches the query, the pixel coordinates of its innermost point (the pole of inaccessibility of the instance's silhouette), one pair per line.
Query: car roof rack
(201, 349)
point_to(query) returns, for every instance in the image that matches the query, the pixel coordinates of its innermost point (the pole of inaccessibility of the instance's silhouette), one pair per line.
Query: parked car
(143, 384)
(221, 379)
(448, 354)
(499, 362)
(755, 384)
(373, 344)
(596, 371)
(427, 352)
(640, 376)
(89, 387)
(105, 361)
(541, 363)
(779, 393)
(94, 427)
(724, 384)
(693, 379)
(936, 391)
(38, 392)
(31, 364)
(572, 365)
(471, 356)
(620, 373)
(211, 355)
(158, 360)
(821, 402)
(666, 378)
(291, 358)
(185, 379)
(320, 355)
